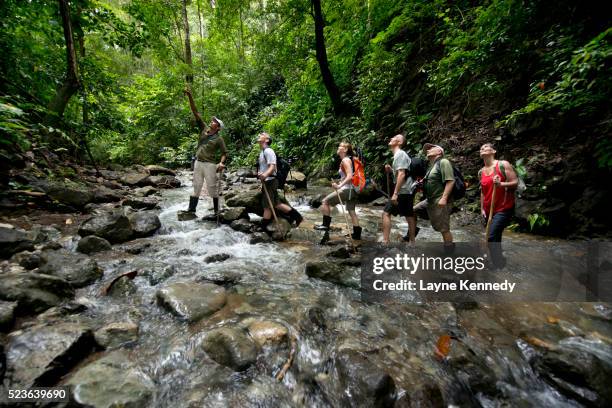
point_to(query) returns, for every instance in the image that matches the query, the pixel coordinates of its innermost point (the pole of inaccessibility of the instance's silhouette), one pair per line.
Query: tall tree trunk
(189, 76)
(71, 82)
(321, 53)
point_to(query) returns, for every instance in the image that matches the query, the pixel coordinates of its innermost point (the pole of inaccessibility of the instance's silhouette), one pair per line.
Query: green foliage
(12, 125)
(585, 82)
(537, 222)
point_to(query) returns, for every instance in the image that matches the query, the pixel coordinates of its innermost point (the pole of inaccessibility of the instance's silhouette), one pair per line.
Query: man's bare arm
(194, 110)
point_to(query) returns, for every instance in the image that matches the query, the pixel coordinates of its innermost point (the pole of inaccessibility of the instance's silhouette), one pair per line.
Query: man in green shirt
(438, 187)
(206, 168)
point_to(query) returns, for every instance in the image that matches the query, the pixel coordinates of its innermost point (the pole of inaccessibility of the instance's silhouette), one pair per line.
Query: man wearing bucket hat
(206, 167)
(438, 187)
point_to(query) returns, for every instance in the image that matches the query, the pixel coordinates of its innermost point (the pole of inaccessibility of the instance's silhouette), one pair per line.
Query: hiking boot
(406, 237)
(295, 218)
(216, 204)
(325, 225)
(356, 232)
(193, 203)
(263, 226)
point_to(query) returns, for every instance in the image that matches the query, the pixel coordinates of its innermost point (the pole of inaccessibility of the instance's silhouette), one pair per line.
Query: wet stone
(242, 225)
(41, 355)
(13, 240)
(186, 215)
(123, 287)
(260, 238)
(78, 270)
(92, 244)
(113, 226)
(334, 273)
(217, 258)
(192, 301)
(28, 260)
(141, 203)
(232, 214)
(116, 334)
(34, 292)
(230, 347)
(7, 314)
(112, 381)
(144, 223)
(267, 332)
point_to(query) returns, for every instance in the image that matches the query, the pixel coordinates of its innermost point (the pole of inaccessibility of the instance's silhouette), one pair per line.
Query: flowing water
(267, 282)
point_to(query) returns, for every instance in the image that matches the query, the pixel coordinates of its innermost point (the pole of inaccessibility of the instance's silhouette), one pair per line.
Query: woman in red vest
(498, 175)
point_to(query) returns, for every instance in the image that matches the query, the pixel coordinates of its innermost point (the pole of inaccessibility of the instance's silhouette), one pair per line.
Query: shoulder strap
(502, 170)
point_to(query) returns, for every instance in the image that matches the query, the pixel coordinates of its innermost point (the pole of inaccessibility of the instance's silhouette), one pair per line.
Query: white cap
(221, 124)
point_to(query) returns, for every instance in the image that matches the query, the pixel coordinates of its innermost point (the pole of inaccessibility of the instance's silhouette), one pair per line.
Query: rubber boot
(325, 225)
(356, 232)
(264, 225)
(295, 218)
(216, 204)
(406, 237)
(193, 203)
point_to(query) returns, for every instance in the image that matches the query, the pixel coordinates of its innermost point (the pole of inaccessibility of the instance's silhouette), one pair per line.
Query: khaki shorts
(348, 195)
(438, 216)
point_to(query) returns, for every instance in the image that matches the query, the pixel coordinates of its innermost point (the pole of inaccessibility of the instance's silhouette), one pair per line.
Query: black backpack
(459, 186)
(418, 168)
(282, 171)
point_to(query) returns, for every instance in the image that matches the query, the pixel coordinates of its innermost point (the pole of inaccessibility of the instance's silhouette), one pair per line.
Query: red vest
(504, 199)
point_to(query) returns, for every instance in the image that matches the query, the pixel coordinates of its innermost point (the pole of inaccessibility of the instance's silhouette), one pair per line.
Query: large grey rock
(134, 179)
(113, 226)
(192, 301)
(297, 179)
(145, 191)
(162, 181)
(78, 270)
(116, 334)
(92, 244)
(28, 260)
(333, 272)
(232, 214)
(260, 238)
(67, 192)
(230, 347)
(13, 240)
(144, 223)
(104, 194)
(7, 314)
(112, 381)
(141, 203)
(249, 199)
(155, 170)
(242, 225)
(362, 384)
(578, 373)
(279, 229)
(41, 355)
(34, 292)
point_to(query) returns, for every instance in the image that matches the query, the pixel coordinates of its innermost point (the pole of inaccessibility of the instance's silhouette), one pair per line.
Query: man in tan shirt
(206, 168)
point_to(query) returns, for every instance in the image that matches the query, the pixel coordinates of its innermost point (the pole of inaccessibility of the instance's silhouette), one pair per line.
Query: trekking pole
(220, 195)
(346, 219)
(265, 189)
(486, 238)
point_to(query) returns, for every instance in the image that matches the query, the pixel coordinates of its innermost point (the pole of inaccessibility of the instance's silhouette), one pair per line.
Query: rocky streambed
(132, 307)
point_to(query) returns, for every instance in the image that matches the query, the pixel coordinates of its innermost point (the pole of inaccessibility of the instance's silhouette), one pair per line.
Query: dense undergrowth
(533, 76)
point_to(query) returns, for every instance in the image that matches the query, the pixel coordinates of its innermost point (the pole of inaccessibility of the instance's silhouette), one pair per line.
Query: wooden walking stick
(490, 216)
(346, 219)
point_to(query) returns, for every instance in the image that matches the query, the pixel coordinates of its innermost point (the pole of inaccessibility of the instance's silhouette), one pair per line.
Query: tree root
(289, 362)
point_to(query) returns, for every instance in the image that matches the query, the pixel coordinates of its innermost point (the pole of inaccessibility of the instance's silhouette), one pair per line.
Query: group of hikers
(437, 181)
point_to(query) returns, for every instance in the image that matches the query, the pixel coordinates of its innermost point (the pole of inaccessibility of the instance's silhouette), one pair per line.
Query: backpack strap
(502, 170)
